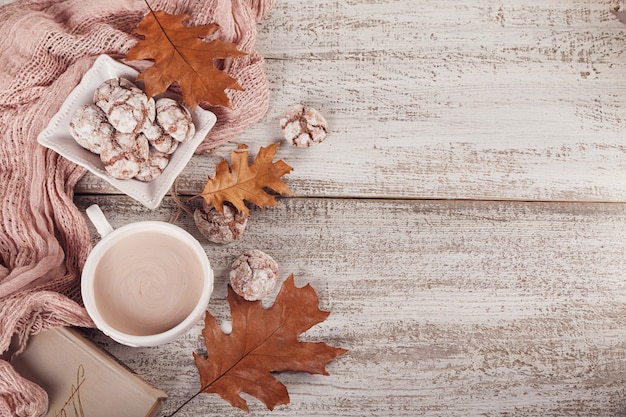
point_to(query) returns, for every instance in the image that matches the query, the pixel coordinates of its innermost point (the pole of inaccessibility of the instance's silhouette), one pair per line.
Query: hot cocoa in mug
(145, 283)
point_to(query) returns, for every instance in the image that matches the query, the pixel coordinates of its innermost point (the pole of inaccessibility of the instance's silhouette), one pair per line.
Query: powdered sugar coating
(90, 128)
(219, 227)
(129, 115)
(126, 106)
(113, 88)
(254, 275)
(122, 127)
(157, 161)
(161, 141)
(174, 119)
(125, 155)
(303, 126)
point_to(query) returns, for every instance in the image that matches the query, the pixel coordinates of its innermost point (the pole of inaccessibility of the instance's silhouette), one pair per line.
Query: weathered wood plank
(463, 100)
(449, 308)
(434, 31)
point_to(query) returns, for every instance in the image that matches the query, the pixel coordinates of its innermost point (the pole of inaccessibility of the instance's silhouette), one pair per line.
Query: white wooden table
(465, 222)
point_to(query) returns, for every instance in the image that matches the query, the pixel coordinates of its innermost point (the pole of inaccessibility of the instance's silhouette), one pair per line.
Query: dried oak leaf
(181, 55)
(263, 341)
(244, 182)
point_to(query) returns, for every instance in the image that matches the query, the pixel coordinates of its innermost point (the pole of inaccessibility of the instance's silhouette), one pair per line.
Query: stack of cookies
(133, 134)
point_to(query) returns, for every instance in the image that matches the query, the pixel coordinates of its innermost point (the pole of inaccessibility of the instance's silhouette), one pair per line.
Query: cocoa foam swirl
(147, 283)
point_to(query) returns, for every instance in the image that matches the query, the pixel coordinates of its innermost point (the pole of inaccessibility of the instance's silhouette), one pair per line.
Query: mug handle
(98, 219)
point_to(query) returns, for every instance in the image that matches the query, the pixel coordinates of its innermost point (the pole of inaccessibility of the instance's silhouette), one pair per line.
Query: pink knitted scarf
(47, 45)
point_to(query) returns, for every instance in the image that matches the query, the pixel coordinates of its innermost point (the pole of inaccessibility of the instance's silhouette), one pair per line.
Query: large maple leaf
(244, 182)
(181, 55)
(263, 341)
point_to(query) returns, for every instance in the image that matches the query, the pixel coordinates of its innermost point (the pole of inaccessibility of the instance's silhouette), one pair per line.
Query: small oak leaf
(181, 55)
(263, 341)
(243, 182)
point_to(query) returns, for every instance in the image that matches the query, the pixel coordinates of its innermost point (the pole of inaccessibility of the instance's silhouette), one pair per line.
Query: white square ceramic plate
(56, 136)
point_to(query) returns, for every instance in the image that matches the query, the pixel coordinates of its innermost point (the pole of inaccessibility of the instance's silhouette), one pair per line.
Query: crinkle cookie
(160, 140)
(219, 227)
(126, 106)
(122, 126)
(112, 88)
(303, 126)
(90, 128)
(174, 119)
(254, 275)
(125, 155)
(157, 161)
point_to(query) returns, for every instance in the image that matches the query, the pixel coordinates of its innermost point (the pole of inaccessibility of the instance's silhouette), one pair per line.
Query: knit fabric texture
(46, 47)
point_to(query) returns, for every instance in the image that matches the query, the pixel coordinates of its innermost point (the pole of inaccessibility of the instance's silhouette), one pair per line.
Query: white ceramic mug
(145, 283)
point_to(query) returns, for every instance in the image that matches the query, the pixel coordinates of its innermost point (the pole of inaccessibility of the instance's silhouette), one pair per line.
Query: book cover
(82, 379)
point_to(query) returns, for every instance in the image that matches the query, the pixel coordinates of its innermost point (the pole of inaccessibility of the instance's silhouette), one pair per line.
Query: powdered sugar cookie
(219, 227)
(126, 106)
(254, 275)
(161, 141)
(157, 161)
(125, 155)
(174, 119)
(303, 126)
(113, 88)
(90, 128)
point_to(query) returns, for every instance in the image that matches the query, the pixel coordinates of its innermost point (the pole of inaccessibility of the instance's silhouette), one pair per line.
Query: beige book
(83, 380)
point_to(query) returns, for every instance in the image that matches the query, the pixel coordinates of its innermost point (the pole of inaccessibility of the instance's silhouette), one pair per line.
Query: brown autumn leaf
(181, 55)
(263, 341)
(244, 182)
